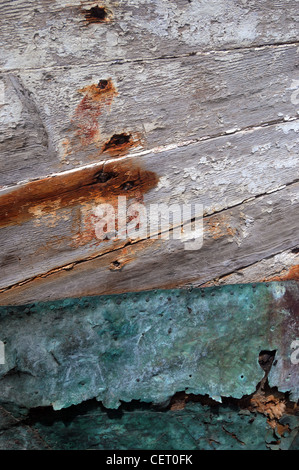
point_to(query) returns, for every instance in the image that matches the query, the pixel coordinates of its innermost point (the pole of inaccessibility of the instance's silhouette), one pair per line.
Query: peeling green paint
(147, 346)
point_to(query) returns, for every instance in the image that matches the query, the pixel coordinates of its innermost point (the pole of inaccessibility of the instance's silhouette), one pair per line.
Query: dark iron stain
(97, 14)
(120, 144)
(44, 196)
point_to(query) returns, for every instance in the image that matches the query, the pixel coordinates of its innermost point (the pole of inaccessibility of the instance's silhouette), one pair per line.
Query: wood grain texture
(234, 238)
(279, 267)
(177, 102)
(23, 137)
(63, 119)
(47, 32)
(58, 214)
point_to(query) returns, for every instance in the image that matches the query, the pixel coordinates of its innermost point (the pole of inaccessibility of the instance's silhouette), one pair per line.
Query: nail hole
(102, 177)
(117, 140)
(103, 84)
(96, 14)
(127, 186)
(115, 265)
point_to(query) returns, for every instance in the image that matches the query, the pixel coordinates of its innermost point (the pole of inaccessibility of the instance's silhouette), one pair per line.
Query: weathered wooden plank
(24, 139)
(50, 32)
(280, 267)
(58, 215)
(63, 119)
(234, 238)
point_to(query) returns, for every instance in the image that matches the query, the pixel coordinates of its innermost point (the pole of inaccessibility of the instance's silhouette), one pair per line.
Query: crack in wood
(136, 242)
(156, 150)
(207, 52)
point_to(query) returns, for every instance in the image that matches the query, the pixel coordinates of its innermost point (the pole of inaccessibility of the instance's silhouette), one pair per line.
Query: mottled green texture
(147, 346)
(139, 426)
(195, 427)
(21, 438)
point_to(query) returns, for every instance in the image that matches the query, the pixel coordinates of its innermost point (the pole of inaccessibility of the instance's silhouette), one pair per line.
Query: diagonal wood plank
(51, 223)
(234, 238)
(280, 267)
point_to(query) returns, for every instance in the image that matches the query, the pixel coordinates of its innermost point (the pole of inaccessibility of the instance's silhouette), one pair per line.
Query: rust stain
(86, 224)
(282, 429)
(127, 255)
(291, 275)
(218, 227)
(97, 99)
(80, 188)
(85, 125)
(270, 405)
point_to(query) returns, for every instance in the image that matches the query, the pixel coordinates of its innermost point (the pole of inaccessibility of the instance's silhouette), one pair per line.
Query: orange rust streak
(97, 98)
(81, 187)
(291, 275)
(104, 89)
(218, 227)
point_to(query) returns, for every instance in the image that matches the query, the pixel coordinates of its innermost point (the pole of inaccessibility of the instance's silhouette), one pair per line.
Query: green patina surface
(147, 346)
(89, 426)
(195, 427)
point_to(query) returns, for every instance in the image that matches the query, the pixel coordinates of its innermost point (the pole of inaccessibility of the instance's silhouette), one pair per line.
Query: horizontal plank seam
(157, 150)
(133, 242)
(249, 265)
(152, 59)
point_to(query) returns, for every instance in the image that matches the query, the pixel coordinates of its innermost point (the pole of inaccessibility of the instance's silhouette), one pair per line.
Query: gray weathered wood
(50, 125)
(281, 266)
(218, 173)
(233, 239)
(208, 92)
(47, 32)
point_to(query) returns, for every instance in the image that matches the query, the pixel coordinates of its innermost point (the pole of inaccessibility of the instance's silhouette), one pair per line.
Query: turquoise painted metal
(196, 427)
(149, 345)
(139, 426)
